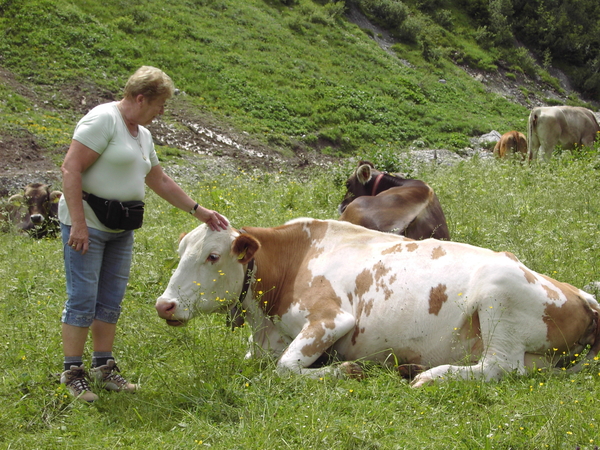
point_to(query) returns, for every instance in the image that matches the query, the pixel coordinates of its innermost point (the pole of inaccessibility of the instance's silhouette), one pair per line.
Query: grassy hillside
(299, 75)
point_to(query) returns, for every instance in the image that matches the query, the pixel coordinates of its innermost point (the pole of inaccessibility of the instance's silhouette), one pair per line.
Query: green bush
(390, 13)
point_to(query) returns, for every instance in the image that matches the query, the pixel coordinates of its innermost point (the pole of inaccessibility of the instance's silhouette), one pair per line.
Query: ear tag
(241, 255)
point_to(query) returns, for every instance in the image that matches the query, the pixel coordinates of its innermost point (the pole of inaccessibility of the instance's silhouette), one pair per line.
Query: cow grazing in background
(511, 143)
(35, 211)
(384, 202)
(569, 126)
(314, 287)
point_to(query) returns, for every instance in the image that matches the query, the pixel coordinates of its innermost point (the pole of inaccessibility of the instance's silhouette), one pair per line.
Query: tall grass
(198, 391)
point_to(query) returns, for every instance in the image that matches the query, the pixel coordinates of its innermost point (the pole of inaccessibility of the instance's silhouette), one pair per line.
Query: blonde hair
(150, 82)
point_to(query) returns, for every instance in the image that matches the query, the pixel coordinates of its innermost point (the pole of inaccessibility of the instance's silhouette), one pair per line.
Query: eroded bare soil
(203, 141)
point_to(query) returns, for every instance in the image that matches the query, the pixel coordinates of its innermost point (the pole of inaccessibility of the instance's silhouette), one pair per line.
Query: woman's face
(151, 108)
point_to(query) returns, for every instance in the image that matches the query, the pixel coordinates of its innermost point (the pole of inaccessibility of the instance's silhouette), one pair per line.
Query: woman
(111, 156)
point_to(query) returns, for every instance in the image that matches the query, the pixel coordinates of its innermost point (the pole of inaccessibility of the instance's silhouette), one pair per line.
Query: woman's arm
(79, 157)
(166, 188)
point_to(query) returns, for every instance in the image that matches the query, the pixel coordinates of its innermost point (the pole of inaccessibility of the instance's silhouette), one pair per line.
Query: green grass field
(288, 73)
(199, 392)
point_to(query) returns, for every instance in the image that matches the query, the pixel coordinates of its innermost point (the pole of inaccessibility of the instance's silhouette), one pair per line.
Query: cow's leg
(533, 144)
(549, 137)
(547, 153)
(266, 339)
(490, 368)
(314, 339)
(503, 345)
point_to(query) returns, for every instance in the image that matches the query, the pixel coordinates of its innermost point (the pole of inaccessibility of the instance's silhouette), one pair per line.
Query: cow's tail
(595, 346)
(531, 124)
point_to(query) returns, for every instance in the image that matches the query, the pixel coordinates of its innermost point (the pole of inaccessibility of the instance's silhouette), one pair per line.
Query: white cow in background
(569, 126)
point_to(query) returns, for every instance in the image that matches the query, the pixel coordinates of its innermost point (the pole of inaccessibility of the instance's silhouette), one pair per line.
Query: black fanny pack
(115, 214)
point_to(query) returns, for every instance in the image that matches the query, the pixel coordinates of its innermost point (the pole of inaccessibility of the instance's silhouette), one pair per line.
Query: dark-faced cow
(35, 211)
(511, 143)
(384, 202)
(314, 287)
(569, 126)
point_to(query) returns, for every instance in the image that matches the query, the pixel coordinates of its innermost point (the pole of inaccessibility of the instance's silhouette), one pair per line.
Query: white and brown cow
(333, 288)
(35, 211)
(389, 203)
(569, 126)
(511, 143)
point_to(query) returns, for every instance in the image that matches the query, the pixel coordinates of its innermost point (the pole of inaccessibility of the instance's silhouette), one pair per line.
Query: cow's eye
(213, 258)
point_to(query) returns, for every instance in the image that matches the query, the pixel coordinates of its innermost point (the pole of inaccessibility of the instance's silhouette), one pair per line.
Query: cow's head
(358, 183)
(34, 207)
(210, 274)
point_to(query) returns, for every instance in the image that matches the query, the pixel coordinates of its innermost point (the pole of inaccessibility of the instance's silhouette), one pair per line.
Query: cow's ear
(15, 206)
(54, 198)
(244, 248)
(181, 236)
(16, 200)
(369, 163)
(363, 173)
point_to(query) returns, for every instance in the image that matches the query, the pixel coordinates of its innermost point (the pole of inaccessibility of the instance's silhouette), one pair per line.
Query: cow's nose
(165, 308)
(37, 218)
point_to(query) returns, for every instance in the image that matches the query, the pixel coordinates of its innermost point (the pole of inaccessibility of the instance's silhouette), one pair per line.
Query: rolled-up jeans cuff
(77, 319)
(105, 314)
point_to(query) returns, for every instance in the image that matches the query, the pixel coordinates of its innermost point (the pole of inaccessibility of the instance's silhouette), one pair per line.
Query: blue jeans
(96, 281)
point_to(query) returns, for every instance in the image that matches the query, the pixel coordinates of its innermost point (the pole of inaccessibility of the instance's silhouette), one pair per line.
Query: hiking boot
(76, 381)
(108, 377)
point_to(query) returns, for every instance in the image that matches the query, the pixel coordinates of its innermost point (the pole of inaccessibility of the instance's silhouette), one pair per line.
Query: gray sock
(72, 361)
(101, 358)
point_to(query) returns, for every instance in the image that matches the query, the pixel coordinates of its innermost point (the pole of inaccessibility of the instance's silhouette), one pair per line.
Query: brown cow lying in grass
(384, 202)
(35, 211)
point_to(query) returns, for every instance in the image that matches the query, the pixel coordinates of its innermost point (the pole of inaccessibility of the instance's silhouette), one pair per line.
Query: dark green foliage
(390, 13)
(569, 31)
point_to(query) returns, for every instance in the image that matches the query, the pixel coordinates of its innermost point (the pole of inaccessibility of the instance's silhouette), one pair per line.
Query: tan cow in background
(569, 126)
(510, 143)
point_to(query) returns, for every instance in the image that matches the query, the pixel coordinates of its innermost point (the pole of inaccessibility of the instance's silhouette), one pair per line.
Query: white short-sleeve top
(120, 171)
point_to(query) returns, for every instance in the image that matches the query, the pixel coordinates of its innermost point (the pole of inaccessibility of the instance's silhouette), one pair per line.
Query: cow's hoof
(410, 371)
(421, 380)
(352, 370)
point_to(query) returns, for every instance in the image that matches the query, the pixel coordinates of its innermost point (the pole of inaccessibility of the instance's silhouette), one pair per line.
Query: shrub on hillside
(389, 13)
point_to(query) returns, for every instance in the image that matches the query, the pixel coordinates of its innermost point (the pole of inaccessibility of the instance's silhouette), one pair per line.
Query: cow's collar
(247, 280)
(376, 184)
(235, 318)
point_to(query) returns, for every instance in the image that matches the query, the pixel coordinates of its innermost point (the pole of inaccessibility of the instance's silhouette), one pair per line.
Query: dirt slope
(23, 159)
